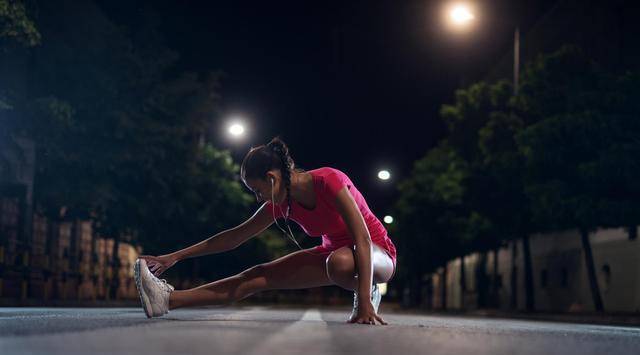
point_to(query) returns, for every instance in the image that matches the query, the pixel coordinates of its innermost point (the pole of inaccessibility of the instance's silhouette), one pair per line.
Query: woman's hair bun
(277, 145)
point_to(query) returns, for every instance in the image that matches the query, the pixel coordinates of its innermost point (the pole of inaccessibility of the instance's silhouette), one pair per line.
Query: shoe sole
(144, 299)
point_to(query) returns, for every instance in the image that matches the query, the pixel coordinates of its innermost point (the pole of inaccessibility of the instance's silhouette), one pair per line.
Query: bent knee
(340, 263)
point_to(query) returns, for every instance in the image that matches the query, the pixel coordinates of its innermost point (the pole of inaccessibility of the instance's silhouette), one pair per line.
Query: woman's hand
(366, 315)
(159, 264)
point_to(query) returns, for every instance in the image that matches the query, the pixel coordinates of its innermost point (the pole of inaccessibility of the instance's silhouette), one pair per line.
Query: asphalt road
(259, 330)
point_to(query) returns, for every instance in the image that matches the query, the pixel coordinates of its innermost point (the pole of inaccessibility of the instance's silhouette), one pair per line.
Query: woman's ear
(271, 178)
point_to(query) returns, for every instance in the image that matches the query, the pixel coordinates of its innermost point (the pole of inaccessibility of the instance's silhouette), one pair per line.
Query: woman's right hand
(159, 264)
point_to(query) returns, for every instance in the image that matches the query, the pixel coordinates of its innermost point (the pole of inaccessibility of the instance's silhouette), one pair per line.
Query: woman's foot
(154, 293)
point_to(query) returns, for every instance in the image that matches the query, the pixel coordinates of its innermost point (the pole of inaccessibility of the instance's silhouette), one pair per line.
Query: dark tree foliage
(120, 137)
(560, 155)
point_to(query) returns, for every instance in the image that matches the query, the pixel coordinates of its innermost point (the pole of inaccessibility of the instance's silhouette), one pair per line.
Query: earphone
(273, 213)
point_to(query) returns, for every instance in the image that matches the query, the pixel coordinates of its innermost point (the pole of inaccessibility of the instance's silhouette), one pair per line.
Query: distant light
(461, 14)
(236, 129)
(384, 175)
(383, 288)
(388, 219)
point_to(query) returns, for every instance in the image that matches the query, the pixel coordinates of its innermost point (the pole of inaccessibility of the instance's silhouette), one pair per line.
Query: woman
(356, 252)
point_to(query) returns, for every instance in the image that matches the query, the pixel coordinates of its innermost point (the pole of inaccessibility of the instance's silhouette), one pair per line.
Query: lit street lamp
(384, 175)
(388, 219)
(460, 15)
(236, 128)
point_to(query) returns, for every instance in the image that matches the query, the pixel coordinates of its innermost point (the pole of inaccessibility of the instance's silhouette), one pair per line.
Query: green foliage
(119, 136)
(428, 229)
(16, 26)
(471, 112)
(560, 155)
(561, 82)
(580, 153)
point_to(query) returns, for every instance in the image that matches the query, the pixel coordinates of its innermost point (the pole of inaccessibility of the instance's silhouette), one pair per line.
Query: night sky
(356, 85)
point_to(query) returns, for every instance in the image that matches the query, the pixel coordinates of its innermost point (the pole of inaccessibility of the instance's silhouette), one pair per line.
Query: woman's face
(262, 187)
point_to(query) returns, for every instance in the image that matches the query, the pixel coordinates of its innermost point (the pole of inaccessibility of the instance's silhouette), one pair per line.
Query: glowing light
(384, 175)
(236, 129)
(388, 219)
(461, 14)
(383, 288)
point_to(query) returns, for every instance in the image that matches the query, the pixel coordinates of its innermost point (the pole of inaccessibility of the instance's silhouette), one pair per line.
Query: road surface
(261, 330)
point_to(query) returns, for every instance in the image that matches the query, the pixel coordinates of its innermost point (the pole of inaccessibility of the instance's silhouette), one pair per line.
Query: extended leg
(297, 270)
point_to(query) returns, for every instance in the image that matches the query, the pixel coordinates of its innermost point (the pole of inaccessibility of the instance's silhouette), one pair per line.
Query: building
(45, 260)
(560, 276)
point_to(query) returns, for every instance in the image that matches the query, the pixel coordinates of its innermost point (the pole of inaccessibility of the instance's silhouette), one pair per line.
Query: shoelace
(163, 283)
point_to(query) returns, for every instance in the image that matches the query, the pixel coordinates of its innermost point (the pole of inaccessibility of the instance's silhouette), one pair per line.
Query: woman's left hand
(367, 315)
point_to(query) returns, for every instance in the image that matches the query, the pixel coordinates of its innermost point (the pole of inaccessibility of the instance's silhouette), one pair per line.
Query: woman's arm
(230, 238)
(223, 241)
(351, 215)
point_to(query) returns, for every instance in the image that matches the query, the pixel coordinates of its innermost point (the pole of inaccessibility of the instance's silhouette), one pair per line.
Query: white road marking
(311, 315)
(309, 332)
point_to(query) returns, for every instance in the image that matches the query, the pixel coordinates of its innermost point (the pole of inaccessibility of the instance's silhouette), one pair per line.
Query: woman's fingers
(370, 320)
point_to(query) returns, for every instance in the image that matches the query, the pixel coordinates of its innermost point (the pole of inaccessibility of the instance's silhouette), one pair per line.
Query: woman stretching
(356, 252)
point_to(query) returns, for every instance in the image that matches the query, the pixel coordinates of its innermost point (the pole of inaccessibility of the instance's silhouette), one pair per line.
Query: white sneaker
(154, 292)
(376, 297)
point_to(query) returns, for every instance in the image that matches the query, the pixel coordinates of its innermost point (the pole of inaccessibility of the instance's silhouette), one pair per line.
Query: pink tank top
(325, 221)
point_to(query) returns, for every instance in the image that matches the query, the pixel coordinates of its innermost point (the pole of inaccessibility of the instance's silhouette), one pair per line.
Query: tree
(563, 96)
(429, 229)
(482, 126)
(17, 31)
(118, 133)
(15, 25)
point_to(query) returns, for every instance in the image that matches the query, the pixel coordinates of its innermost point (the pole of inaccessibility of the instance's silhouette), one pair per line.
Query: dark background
(355, 85)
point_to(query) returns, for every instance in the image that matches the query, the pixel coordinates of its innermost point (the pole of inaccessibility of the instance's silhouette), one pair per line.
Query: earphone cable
(286, 218)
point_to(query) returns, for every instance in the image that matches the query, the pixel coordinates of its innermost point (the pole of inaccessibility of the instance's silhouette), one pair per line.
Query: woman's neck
(301, 185)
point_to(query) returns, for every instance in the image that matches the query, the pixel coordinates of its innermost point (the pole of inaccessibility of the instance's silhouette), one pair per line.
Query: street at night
(261, 330)
(252, 177)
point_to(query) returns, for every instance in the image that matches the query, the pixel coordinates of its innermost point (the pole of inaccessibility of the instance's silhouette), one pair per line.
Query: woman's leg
(301, 269)
(341, 267)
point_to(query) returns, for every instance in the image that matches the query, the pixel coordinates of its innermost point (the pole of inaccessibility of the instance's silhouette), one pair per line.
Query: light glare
(384, 175)
(388, 219)
(236, 129)
(461, 14)
(383, 288)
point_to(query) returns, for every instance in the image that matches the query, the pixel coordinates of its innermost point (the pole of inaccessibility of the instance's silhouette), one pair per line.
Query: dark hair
(275, 155)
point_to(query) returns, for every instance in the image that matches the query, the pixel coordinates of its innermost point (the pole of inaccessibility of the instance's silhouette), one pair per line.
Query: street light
(460, 14)
(388, 219)
(384, 175)
(236, 128)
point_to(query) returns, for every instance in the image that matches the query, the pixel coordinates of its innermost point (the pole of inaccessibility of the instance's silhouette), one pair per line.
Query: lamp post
(516, 61)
